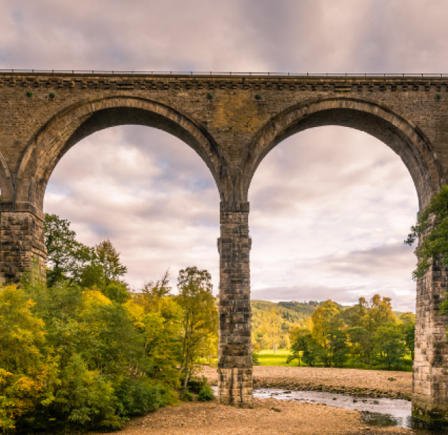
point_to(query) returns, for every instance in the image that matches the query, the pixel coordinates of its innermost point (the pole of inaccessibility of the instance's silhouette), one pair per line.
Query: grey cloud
(319, 36)
(381, 260)
(311, 166)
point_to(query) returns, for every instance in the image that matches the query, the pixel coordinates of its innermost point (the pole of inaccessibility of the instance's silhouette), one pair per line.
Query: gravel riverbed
(268, 417)
(273, 417)
(363, 383)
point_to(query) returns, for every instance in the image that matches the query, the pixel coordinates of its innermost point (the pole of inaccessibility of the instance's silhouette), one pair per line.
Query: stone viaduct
(232, 122)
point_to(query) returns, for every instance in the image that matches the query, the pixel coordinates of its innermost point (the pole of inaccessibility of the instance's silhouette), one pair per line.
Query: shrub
(206, 394)
(84, 399)
(139, 396)
(195, 385)
(187, 396)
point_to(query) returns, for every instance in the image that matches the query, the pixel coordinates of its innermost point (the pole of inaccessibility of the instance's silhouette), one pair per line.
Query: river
(381, 412)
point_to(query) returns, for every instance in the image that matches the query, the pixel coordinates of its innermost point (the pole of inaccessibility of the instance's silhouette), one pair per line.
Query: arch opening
(400, 135)
(330, 208)
(76, 123)
(145, 191)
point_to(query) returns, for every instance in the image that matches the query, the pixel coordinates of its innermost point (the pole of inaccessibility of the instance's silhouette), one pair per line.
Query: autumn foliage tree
(81, 352)
(368, 332)
(199, 321)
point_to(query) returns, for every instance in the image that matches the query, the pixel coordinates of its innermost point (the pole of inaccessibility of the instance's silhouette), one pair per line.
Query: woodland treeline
(81, 351)
(366, 335)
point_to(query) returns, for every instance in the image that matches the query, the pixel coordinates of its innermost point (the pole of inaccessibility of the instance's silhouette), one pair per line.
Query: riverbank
(363, 383)
(273, 417)
(268, 417)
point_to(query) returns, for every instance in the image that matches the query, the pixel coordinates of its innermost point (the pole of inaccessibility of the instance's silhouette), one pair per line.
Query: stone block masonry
(232, 122)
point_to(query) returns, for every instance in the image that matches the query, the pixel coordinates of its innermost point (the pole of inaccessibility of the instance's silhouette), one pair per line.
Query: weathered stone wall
(22, 235)
(430, 374)
(235, 353)
(232, 122)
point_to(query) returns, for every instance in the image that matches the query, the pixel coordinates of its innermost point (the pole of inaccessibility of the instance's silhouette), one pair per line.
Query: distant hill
(292, 311)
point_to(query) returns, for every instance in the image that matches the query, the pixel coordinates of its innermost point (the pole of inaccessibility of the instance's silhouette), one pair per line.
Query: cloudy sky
(330, 206)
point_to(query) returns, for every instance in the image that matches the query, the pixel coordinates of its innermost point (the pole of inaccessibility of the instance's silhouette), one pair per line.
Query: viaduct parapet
(232, 122)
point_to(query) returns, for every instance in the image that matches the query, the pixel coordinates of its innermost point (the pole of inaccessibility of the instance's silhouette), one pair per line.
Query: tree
(364, 320)
(157, 316)
(326, 320)
(339, 349)
(407, 326)
(27, 368)
(390, 347)
(362, 344)
(104, 272)
(108, 258)
(301, 339)
(66, 257)
(199, 316)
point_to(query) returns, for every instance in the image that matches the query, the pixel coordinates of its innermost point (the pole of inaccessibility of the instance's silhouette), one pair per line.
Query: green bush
(138, 396)
(187, 396)
(206, 394)
(195, 385)
(84, 398)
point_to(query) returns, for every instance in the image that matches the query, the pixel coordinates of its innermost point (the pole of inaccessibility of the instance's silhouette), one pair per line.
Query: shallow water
(375, 411)
(380, 412)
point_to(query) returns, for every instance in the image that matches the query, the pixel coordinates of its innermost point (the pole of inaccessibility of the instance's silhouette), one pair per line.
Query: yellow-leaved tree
(27, 367)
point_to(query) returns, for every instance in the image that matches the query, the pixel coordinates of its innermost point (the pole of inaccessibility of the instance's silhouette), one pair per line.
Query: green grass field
(268, 358)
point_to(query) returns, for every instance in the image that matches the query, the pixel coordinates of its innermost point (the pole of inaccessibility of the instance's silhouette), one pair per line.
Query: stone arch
(406, 139)
(6, 180)
(76, 122)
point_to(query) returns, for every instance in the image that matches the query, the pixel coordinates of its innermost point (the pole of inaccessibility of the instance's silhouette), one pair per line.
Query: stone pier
(235, 353)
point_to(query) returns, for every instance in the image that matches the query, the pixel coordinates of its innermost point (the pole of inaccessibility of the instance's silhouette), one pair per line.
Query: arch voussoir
(366, 115)
(59, 134)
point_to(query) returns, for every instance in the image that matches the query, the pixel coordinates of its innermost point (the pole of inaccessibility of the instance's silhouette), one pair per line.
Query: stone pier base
(22, 234)
(235, 387)
(430, 374)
